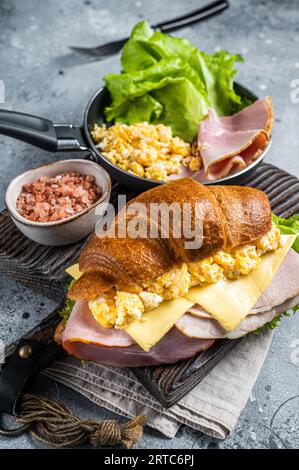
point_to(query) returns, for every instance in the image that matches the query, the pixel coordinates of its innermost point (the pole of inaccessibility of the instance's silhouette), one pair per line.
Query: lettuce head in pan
(166, 80)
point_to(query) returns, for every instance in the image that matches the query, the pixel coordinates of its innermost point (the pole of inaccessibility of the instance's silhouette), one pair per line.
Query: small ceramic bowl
(66, 231)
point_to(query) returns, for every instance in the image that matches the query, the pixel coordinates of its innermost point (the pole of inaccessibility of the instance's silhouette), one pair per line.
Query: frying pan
(43, 133)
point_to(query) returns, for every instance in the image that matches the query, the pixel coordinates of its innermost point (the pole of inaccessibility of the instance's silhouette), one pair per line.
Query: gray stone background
(41, 77)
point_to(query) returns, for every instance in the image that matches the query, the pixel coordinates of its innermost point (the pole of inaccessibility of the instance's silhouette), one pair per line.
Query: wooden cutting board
(43, 269)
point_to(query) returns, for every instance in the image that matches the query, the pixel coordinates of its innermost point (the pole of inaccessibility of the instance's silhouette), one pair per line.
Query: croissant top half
(231, 216)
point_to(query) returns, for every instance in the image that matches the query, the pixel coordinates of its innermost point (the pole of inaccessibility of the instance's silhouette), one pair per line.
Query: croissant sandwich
(163, 294)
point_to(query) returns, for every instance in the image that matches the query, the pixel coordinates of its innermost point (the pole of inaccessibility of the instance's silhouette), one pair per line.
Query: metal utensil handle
(193, 17)
(41, 132)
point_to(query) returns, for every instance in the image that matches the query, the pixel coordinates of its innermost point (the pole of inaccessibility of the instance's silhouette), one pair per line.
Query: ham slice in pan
(230, 143)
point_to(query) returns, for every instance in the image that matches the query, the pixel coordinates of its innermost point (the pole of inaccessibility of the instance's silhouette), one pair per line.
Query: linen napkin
(212, 407)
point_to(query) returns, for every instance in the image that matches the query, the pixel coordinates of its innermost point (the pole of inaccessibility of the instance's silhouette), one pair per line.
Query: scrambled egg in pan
(125, 303)
(147, 150)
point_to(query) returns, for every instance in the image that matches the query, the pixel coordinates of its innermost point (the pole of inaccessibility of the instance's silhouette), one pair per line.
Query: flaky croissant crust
(232, 216)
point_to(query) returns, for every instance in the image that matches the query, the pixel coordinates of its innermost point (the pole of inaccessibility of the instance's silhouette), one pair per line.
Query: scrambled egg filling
(125, 303)
(147, 150)
(173, 284)
(205, 271)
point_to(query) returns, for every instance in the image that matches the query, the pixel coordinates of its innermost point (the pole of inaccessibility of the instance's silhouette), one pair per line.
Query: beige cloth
(212, 407)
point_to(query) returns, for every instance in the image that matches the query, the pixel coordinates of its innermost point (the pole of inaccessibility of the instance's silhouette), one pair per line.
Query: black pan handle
(42, 132)
(193, 17)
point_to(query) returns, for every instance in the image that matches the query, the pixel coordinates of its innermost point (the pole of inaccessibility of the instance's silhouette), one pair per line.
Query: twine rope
(51, 422)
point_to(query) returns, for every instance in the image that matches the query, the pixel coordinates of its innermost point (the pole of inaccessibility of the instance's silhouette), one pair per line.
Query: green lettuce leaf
(218, 70)
(170, 92)
(167, 80)
(68, 305)
(271, 325)
(67, 309)
(288, 226)
(134, 55)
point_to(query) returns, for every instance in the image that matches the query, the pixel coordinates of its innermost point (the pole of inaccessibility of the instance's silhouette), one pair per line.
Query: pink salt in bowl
(68, 230)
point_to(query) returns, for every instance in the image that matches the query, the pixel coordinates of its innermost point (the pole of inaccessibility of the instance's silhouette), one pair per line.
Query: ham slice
(81, 326)
(230, 143)
(199, 311)
(284, 285)
(208, 328)
(174, 347)
(84, 338)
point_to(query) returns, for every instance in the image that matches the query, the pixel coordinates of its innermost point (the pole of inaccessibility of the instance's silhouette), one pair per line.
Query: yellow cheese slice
(153, 325)
(230, 301)
(74, 271)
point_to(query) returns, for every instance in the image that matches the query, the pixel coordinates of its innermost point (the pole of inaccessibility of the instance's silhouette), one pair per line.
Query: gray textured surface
(41, 77)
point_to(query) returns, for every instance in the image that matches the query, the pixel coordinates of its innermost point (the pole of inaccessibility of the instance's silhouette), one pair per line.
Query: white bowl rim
(14, 213)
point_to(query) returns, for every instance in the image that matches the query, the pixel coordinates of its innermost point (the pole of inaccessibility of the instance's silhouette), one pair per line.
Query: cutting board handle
(50, 421)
